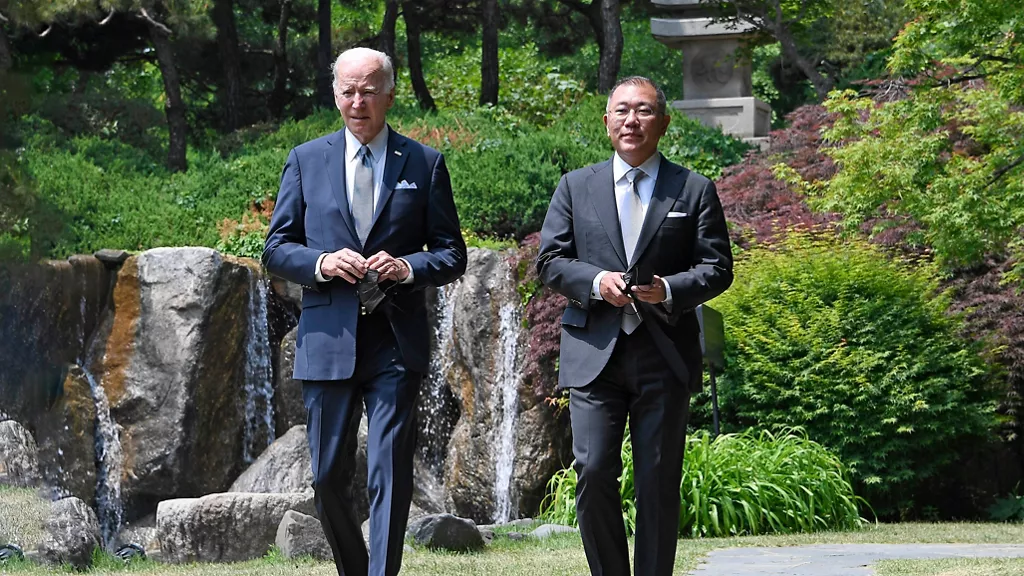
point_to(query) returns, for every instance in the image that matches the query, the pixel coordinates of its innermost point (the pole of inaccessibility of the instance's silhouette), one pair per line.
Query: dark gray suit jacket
(581, 237)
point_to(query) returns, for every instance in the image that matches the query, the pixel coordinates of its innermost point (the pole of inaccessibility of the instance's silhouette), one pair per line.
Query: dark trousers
(389, 392)
(638, 384)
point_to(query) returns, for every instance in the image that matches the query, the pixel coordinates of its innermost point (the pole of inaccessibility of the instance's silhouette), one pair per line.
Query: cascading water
(109, 457)
(435, 428)
(259, 389)
(507, 382)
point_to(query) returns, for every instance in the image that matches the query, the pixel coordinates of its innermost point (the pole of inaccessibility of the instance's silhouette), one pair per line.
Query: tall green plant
(859, 351)
(735, 484)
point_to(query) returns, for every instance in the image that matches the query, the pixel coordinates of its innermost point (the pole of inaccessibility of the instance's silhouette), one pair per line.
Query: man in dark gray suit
(632, 350)
(362, 208)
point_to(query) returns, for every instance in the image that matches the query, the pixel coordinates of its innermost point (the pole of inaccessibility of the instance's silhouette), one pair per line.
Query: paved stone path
(837, 559)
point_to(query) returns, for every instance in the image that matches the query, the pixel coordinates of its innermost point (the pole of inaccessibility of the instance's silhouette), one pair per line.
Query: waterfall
(259, 389)
(109, 507)
(435, 428)
(109, 457)
(507, 382)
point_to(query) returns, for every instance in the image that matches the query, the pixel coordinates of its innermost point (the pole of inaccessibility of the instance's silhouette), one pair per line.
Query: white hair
(385, 68)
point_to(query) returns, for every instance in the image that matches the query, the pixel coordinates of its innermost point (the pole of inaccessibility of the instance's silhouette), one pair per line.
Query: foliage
(758, 205)
(859, 351)
(1008, 509)
(29, 226)
(948, 158)
(738, 484)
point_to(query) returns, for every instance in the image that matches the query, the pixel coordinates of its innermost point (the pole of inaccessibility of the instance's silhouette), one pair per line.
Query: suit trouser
(389, 392)
(637, 383)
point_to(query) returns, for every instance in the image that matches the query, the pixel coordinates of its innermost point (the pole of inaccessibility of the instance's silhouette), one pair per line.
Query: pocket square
(677, 215)
(405, 185)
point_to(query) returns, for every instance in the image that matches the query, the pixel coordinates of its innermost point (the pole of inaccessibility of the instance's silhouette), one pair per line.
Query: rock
(49, 314)
(486, 533)
(228, 527)
(111, 258)
(174, 371)
(289, 410)
(66, 437)
(19, 464)
(547, 530)
(289, 291)
(72, 532)
(446, 532)
(141, 532)
(283, 467)
(302, 535)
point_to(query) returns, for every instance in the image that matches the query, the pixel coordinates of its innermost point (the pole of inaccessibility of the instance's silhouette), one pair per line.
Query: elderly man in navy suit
(632, 349)
(364, 208)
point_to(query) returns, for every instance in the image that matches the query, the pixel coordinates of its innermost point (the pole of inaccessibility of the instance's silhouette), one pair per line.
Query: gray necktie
(632, 220)
(362, 194)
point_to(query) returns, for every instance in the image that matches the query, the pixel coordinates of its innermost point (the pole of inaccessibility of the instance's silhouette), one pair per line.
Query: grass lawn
(952, 567)
(563, 555)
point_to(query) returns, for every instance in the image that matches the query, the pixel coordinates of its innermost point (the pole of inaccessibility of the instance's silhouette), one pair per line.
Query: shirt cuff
(595, 288)
(667, 302)
(316, 273)
(408, 279)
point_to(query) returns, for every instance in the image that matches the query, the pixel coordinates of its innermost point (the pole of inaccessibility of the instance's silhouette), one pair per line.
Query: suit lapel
(667, 188)
(393, 164)
(602, 194)
(334, 156)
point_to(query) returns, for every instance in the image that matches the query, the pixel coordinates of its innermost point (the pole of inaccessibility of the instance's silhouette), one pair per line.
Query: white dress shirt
(645, 188)
(379, 148)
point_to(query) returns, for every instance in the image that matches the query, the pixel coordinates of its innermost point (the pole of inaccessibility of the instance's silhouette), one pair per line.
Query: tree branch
(1002, 171)
(45, 33)
(3, 18)
(108, 18)
(159, 26)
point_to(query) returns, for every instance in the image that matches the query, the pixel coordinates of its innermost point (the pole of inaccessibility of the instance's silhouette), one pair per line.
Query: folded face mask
(370, 293)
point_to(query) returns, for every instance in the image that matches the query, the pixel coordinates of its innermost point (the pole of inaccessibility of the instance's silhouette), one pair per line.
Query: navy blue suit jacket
(312, 217)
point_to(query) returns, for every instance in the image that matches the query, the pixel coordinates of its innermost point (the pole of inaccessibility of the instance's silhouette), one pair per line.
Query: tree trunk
(230, 57)
(6, 60)
(324, 90)
(277, 97)
(822, 83)
(412, 35)
(611, 50)
(387, 30)
(489, 59)
(174, 107)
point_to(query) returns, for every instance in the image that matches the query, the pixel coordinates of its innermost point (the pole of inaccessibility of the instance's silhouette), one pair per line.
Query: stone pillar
(717, 87)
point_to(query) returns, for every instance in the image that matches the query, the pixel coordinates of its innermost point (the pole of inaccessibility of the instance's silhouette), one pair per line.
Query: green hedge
(858, 350)
(738, 484)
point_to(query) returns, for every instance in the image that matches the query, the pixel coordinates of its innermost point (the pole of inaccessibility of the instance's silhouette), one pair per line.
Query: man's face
(359, 95)
(633, 122)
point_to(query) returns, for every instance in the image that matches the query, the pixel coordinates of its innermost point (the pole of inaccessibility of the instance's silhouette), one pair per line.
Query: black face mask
(370, 293)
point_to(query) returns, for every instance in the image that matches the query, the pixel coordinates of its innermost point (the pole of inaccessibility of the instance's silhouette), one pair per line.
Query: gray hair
(660, 103)
(385, 68)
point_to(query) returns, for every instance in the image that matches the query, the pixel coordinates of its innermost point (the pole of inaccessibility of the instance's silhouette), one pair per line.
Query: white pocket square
(405, 185)
(677, 215)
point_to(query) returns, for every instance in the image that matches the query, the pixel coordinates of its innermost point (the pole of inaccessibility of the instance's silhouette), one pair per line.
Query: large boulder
(289, 410)
(227, 527)
(49, 312)
(72, 532)
(66, 438)
(283, 467)
(177, 359)
(503, 425)
(302, 535)
(19, 463)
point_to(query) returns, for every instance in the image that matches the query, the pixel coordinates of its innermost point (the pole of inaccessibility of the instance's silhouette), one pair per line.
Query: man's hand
(613, 289)
(652, 293)
(345, 264)
(388, 267)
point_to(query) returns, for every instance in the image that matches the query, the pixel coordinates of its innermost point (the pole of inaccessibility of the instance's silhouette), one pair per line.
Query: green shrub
(737, 484)
(859, 351)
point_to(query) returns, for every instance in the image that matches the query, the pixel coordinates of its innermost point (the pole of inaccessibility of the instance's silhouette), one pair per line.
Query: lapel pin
(397, 153)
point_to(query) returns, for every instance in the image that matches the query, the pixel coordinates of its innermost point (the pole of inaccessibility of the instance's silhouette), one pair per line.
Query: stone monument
(717, 87)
